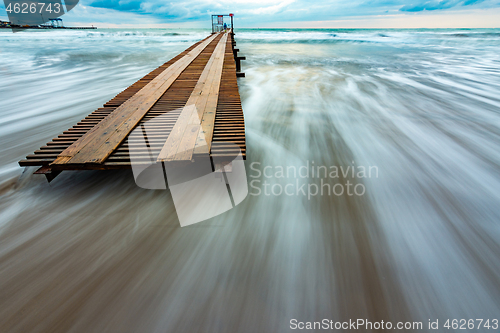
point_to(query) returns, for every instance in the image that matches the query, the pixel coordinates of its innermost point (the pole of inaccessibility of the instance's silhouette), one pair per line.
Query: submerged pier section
(193, 101)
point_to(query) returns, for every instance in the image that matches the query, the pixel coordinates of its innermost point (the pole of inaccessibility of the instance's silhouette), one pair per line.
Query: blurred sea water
(93, 252)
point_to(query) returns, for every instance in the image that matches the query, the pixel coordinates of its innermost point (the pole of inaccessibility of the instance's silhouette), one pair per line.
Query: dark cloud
(126, 6)
(282, 10)
(437, 5)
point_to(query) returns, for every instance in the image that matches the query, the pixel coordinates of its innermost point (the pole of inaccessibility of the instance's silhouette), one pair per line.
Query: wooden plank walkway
(196, 95)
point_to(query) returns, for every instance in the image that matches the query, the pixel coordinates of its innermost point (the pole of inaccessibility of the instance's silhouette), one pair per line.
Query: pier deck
(193, 100)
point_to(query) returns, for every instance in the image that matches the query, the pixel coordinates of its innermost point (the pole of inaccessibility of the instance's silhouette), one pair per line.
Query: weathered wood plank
(228, 128)
(97, 144)
(185, 135)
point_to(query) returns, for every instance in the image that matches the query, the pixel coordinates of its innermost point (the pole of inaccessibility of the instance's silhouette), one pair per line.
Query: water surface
(93, 252)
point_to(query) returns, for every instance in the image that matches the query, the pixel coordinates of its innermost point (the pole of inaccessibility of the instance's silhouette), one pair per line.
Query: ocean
(409, 118)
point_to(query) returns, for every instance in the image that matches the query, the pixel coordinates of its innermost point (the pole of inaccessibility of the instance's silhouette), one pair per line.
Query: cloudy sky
(288, 13)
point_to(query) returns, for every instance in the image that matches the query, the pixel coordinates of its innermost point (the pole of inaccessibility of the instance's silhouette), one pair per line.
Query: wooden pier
(193, 99)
